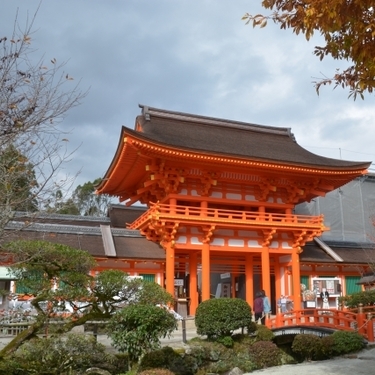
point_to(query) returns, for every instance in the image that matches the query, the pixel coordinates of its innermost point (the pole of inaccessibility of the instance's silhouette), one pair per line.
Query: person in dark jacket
(258, 307)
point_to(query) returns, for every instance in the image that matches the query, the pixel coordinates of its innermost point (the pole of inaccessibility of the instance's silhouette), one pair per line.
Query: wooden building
(221, 198)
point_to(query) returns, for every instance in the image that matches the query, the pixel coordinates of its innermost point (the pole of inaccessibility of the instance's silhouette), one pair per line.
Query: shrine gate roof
(227, 137)
(215, 143)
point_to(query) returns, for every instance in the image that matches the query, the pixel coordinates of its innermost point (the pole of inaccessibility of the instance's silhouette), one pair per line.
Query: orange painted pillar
(249, 268)
(370, 328)
(288, 213)
(131, 268)
(169, 267)
(193, 287)
(360, 319)
(266, 278)
(296, 280)
(277, 284)
(172, 205)
(262, 211)
(205, 271)
(204, 205)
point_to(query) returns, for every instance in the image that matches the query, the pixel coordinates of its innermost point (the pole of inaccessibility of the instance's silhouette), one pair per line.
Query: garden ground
(362, 363)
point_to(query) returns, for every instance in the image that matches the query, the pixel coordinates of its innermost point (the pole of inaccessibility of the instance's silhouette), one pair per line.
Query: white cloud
(194, 56)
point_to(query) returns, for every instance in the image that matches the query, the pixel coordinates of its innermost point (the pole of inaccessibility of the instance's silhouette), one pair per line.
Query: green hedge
(220, 317)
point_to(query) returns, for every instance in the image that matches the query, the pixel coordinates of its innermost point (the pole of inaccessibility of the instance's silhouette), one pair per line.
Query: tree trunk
(33, 329)
(25, 335)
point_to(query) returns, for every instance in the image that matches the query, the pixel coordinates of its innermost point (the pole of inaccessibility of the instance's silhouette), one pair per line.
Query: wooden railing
(361, 322)
(164, 211)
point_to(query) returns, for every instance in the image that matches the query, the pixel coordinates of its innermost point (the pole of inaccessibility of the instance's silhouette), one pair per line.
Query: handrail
(322, 318)
(158, 210)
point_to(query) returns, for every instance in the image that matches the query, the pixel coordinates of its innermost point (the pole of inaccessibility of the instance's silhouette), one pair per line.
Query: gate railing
(362, 321)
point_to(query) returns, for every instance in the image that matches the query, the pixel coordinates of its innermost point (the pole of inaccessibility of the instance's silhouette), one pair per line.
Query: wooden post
(183, 330)
(296, 280)
(249, 266)
(206, 266)
(266, 284)
(360, 319)
(370, 328)
(169, 267)
(193, 287)
(279, 316)
(205, 272)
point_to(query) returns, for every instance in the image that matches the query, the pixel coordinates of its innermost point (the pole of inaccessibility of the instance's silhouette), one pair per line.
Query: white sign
(225, 275)
(178, 282)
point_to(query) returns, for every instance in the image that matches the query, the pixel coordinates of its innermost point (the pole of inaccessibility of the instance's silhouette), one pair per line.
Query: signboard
(178, 282)
(225, 275)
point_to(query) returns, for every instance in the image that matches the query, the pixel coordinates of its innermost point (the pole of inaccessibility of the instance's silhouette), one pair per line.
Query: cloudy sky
(193, 56)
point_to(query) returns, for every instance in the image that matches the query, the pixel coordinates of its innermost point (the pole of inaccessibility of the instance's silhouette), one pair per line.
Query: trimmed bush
(263, 333)
(227, 341)
(157, 371)
(252, 327)
(347, 342)
(157, 359)
(56, 355)
(328, 344)
(265, 354)
(307, 346)
(168, 359)
(219, 317)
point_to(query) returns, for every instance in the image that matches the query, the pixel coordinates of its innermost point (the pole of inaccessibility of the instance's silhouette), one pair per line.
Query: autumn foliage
(348, 28)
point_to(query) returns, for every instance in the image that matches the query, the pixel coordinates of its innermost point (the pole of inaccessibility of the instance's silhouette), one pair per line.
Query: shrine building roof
(228, 137)
(215, 144)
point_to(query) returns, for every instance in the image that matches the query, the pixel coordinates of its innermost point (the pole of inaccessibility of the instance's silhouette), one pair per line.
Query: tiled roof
(129, 244)
(138, 248)
(225, 137)
(351, 253)
(120, 215)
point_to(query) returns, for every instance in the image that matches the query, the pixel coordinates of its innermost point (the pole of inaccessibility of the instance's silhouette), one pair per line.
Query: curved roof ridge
(147, 112)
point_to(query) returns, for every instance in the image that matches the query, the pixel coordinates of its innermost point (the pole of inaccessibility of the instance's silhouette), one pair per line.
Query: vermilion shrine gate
(220, 197)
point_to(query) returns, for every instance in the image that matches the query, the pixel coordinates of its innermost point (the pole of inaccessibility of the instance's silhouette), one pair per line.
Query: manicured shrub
(205, 352)
(328, 343)
(307, 346)
(157, 371)
(157, 359)
(220, 317)
(169, 359)
(186, 365)
(347, 342)
(152, 360)
(227, 341)
(252, 327)
(265, 354)
(263, 333)
(242, 360)
(56, 355)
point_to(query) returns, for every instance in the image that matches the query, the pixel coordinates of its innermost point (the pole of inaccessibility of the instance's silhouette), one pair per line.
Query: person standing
(258, 307)
(324, 295)
(266, 307)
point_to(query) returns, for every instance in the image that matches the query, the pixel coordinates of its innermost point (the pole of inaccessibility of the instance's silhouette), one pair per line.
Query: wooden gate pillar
(249, 269)
(296, 280)
(206, 272)
(169, 267)
(266, 278)
(206, 266)
(193, 287)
